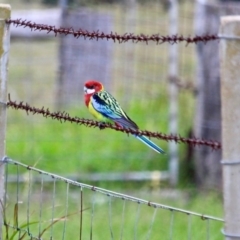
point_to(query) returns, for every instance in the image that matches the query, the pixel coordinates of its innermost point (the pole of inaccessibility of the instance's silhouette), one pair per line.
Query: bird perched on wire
(103, 106)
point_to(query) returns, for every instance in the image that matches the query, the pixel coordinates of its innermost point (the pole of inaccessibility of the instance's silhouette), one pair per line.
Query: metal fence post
(5, 11)
(230, 97)
(173, 93)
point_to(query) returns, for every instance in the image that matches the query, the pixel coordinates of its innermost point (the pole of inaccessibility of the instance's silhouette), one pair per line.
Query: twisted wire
(64, 116)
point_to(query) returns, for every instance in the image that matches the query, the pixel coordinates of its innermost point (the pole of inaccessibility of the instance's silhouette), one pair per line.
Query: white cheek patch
(88, 91)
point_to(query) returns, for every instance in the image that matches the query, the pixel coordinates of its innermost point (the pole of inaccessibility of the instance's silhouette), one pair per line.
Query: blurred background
(168, 88)
(50, 71)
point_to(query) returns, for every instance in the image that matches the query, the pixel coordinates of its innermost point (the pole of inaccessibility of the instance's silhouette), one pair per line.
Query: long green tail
(150, 144)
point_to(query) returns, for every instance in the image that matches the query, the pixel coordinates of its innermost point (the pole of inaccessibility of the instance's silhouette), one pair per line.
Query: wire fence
(65, 209)
(42, 205)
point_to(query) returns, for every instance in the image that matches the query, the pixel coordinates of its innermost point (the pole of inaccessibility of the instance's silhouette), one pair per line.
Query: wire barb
(64, 117)
(126, 37)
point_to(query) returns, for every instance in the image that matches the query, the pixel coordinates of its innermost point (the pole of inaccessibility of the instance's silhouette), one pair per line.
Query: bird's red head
(91, 87)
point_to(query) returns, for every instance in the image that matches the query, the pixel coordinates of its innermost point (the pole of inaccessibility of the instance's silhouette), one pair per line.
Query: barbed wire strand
(96, 35)
(8, 160)
(65, 117)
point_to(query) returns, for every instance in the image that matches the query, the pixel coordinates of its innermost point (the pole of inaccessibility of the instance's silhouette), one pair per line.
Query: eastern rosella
(103, 106)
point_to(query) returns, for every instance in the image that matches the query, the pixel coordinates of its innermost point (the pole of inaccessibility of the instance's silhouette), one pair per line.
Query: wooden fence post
(230, 97)
(5, 11)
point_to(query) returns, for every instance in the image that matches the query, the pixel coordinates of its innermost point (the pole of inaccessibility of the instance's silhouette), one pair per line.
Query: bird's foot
(101, 126)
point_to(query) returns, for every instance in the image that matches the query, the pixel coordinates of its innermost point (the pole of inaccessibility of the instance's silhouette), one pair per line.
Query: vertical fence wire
(151, 224)
(136, 221)
(189, 227)
(171, 225)
(17, 197)
(4, 205)
(122, 219)
(66, 211)
(53, 207)
(81, 213)
(207, 229)
(110, 215)
(92, 214)
(40, 206)
(29, 201)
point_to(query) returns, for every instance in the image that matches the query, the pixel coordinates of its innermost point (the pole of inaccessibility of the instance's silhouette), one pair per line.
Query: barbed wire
(96, 35)
(64, 116)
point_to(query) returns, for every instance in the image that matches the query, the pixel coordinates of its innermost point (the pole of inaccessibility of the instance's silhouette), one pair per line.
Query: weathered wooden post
(207, 122)
(5, 12)
(230, 97)
(80, 59)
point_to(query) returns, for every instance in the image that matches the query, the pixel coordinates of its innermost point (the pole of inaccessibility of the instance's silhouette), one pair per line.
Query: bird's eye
(91, 87)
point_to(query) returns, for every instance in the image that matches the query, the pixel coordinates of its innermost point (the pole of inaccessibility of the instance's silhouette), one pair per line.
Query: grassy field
(65, 148)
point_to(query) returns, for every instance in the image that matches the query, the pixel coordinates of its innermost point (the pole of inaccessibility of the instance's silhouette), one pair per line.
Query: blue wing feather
(108, 106)
(150, 144)
(101, 107)
(104, 103)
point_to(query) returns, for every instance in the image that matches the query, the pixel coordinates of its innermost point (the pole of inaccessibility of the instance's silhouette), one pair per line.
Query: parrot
(105, 108)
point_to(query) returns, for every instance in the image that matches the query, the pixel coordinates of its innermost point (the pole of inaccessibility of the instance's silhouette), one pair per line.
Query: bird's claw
(101, 126)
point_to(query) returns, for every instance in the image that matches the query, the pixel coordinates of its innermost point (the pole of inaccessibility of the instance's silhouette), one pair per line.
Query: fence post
(173, 93)
(5, 11)
(230, 97)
